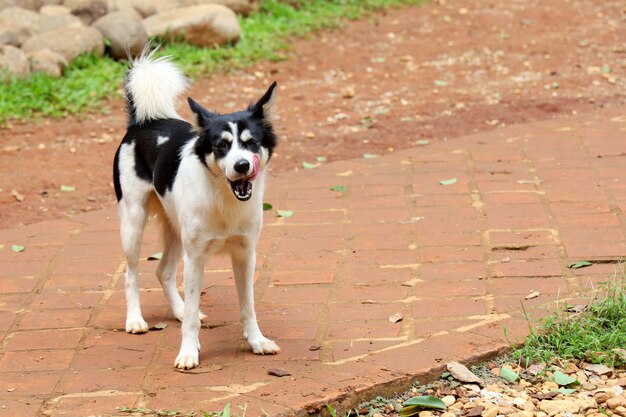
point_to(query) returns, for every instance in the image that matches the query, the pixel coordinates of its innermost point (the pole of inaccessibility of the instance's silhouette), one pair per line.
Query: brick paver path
(454, 260)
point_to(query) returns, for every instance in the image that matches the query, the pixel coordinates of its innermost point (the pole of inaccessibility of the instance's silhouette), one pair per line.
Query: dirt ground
(433, 73)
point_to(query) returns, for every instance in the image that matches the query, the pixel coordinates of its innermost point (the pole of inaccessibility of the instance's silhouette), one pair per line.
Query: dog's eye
(221, 146)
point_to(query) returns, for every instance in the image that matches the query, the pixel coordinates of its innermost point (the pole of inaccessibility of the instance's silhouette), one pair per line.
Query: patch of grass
(90, 80)
(596, 335)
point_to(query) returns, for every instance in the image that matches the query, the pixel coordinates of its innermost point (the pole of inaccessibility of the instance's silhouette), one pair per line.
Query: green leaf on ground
(338, 188)
(267, 206)
(308, 165)
(579, 264)
(284, 213)
(508, 374)
(414, 405)
(369, 155)
(321, 159)
(564, 380)
(565, 391)
(68, 188)
(155, 256)
(17, 248)
(441, 83)
(451, 181)
(422, 142)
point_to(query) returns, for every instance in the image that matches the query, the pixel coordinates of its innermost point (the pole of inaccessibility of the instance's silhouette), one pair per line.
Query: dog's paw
(264, 346)
(202, 316)
(186, 360)
(136, 326)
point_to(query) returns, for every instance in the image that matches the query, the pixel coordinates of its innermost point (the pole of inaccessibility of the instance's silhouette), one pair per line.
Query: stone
(601, 397)
(490, 412)
(551, 407)
(448, 400)
(585, 403)
(598, 369)
(243, 7)
(461, 373)
(33, 5)
(14, 61)
(47, 62)
(506, 410)
(12, 33)
(448, 414)
(25, 18)
(621, 411)
(144, 8)
(125, 33)
(88, 10)
(425, 414)
(69, 42)
(53, 22)
(54, 10)
(207, 25)
(613, 403)
(165, 5)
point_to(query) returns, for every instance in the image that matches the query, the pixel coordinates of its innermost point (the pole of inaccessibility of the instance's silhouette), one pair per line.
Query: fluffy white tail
(152, 87)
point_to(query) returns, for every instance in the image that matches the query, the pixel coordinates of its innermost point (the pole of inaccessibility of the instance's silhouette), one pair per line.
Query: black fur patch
(153, 162)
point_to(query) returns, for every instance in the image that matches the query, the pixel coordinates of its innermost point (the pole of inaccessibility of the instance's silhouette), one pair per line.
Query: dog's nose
(242, 166)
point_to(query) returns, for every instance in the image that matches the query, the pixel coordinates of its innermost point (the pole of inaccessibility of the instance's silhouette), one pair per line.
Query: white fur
(155, 84)
(200, 217)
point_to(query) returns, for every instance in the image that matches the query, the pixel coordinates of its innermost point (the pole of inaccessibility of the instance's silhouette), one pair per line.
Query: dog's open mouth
(242, 189)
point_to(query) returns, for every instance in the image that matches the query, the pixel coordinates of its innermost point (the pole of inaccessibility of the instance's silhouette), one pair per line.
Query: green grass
(596, 335)
(89, 81)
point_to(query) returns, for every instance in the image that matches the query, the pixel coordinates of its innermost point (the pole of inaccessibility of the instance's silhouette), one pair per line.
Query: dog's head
(237, 146)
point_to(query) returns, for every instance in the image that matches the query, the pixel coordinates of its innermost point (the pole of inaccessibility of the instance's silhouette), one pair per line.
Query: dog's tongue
(256, 167)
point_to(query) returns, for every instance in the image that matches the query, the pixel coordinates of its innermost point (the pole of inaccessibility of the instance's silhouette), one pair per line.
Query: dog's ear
(201, 115)
(263, 108)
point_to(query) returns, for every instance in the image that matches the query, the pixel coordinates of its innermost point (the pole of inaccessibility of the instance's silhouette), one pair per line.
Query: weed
(89, 81)
(596, 334)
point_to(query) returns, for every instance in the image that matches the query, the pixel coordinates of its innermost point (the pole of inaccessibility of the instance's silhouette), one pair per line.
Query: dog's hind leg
(244, 259)
(133, 215)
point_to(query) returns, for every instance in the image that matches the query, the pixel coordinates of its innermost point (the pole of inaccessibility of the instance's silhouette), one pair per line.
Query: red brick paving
(454, 260)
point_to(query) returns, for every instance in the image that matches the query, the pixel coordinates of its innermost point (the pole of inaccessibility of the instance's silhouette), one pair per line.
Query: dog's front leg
(193, 274)
(244, 259)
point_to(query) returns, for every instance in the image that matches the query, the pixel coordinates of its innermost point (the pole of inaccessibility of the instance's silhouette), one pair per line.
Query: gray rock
(33, 5)
(206, 25)
(14, 61)
(22, 17)
(88, 10)
(125, 32)
(165, 5)
(47, 62)
(145, 8)
(13, 34)
(69, 42)
(52, 22)
(55, 10)
(243, 7)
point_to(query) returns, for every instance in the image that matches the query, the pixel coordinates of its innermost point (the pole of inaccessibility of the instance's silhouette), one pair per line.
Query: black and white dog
(205, 184)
